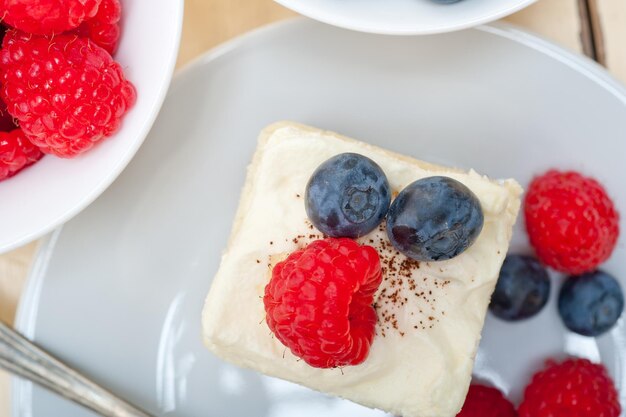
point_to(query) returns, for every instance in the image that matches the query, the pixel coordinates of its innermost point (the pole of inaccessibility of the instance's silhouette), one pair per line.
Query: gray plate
(118, 291)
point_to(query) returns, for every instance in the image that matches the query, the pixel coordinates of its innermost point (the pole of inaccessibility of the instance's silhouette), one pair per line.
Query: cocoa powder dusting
(400, 289)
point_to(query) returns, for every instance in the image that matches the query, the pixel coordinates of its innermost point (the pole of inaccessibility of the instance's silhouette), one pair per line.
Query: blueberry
(434, 219)
(522, 290)
(446, 1)
(347, 196)
(591, 303)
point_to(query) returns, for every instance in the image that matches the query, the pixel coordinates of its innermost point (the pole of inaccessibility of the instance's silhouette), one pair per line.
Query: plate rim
(25, 319)
(122, 163)
(379, 29)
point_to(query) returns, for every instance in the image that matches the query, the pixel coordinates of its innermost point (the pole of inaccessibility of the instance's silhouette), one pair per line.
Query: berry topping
(47, 17)
(571, 221)
(347, 196)
(67, 93)
(104, 28)
(482, 401)
(319, 302)
(591, 303)
(16, 153)
(7, 123)
(576, 388)
(522, 290)
(434, 219)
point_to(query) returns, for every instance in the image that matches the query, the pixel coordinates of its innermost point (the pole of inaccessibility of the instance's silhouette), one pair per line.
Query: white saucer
(118, 291)
(405, 17)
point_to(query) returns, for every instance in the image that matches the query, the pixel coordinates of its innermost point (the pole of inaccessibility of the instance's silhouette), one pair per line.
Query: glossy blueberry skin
(347, 196)
(590, 304)
(434, 219)
(522, 290)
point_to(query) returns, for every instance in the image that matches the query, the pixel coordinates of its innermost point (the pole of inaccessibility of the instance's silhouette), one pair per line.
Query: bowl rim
(314, 12)
(131, 150)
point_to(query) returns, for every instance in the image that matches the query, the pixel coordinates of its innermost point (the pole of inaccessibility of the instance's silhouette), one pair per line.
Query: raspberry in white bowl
(101, 139)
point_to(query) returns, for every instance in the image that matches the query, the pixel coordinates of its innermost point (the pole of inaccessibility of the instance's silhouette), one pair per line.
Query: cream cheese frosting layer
(430, 313)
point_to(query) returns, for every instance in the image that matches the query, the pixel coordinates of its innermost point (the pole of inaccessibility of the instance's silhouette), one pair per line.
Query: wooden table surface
(596, 28)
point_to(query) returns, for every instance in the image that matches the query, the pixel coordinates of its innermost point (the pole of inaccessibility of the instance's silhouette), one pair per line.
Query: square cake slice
(430, 314)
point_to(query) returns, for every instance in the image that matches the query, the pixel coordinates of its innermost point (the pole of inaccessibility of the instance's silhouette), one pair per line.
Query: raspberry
(67, 93)
(574, 388)
(571, 221)
(319, 302)
(104, 28)
(6, 120)
(16, 153)
(7, 123)
(482, 401)
(47, 17)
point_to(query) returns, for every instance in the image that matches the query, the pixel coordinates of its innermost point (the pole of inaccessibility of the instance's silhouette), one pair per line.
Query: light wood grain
(210, 22)
(13, 268)
(555, 20)
(612, 19)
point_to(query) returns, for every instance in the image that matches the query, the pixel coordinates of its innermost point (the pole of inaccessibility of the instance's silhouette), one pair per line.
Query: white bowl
(54, 190)
(405, 17)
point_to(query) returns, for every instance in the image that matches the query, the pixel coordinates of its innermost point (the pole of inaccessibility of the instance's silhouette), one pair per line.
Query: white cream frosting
(430, 318)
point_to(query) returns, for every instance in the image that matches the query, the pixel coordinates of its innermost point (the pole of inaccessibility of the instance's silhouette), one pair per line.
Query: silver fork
(22, 357)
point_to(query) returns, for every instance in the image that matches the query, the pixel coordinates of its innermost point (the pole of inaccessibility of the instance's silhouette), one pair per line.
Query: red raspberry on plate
(482, 401)
(47, 17)
(104, 28)
(16, 153)
(571, 221)
(574, 388)
(67, 93)
(319, 302)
